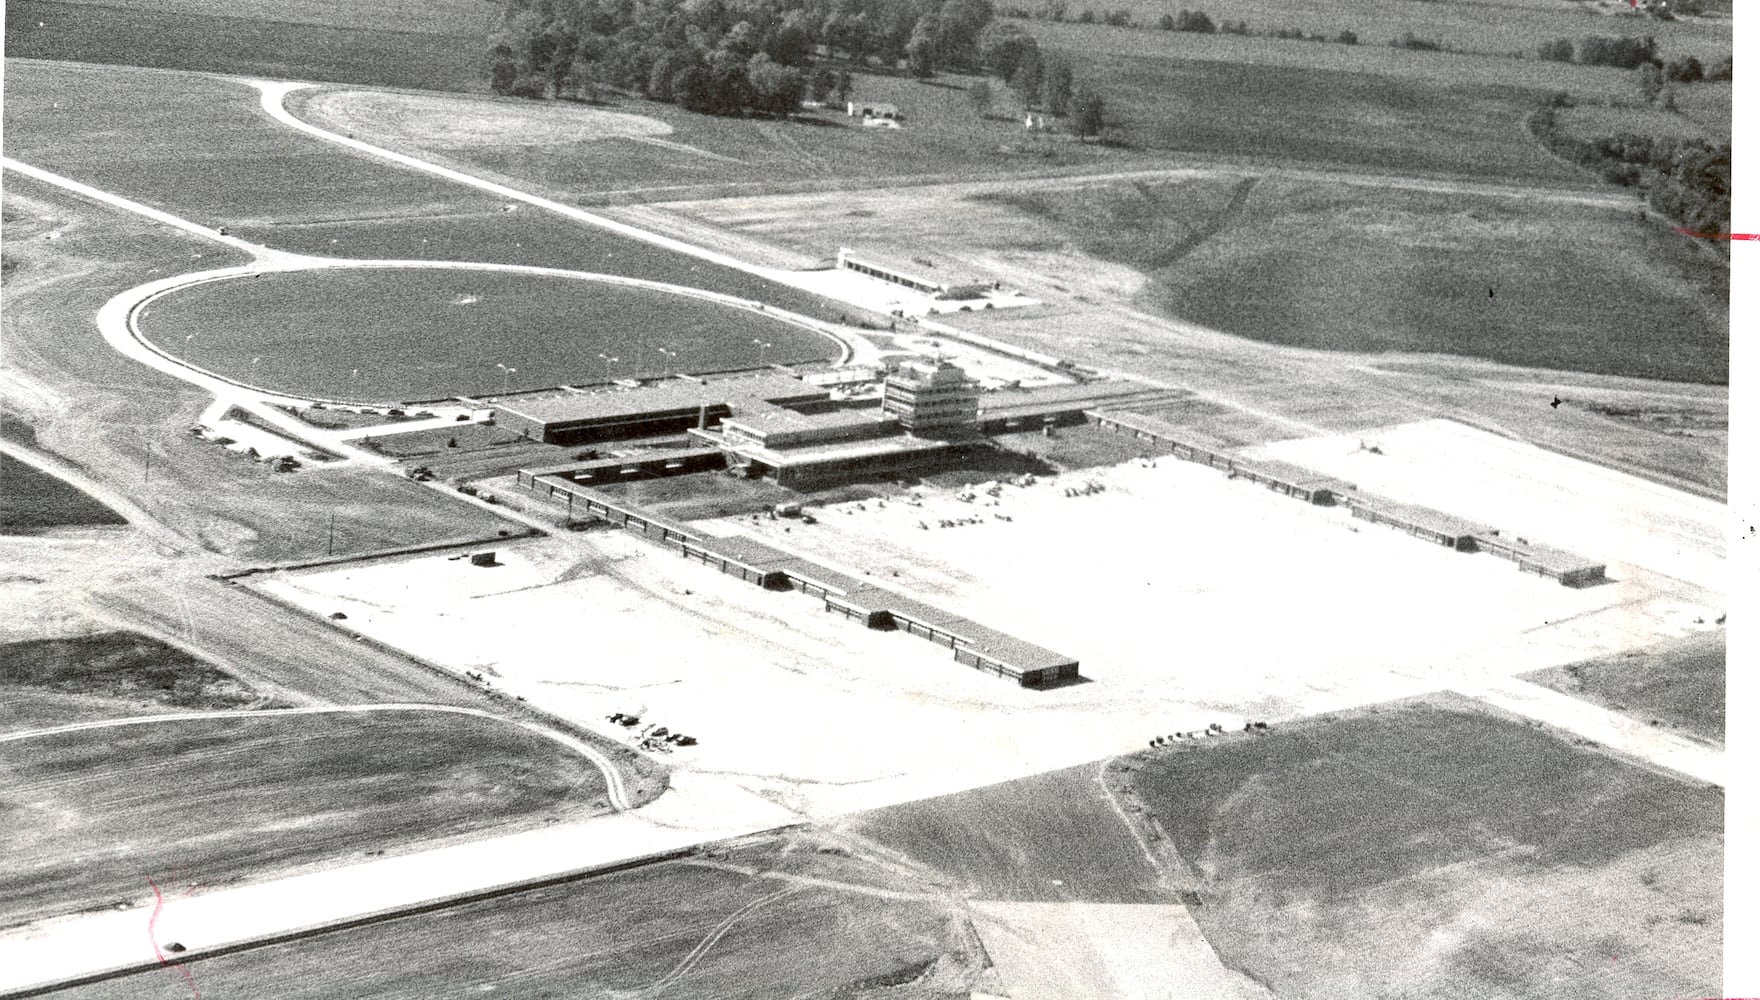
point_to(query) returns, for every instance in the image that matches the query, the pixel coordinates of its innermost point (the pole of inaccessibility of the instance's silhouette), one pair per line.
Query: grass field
(200, 147)
(1456, 69)
(1049, 838)
(32, 501)
(629, 931)
(531, 238)
(380, 42)
(678, 154)
(94, 814)
(465, 18)
(431, 334)
(1303, 115)
(1428, 848)
(108, 675)
(1342, 268)
(1490, 26)
(1678, 683)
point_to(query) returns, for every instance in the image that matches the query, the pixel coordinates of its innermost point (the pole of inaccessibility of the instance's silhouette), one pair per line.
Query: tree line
(723, 56)
(1687, 180)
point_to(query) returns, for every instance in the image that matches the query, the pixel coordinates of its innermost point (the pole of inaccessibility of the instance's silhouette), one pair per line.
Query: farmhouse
(872, 109)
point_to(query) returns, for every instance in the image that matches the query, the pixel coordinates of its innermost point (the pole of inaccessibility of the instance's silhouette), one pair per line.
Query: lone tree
(1059, 86)
(1029, 77)
(1087, 113)
(981, 97)
(919, 52)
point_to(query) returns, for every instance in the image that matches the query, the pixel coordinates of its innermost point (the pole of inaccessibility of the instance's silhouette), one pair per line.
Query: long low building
(973, 644)
(1427, 523)
(671, 406)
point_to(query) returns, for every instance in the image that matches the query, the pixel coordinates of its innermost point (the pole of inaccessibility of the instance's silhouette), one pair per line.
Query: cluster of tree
(1188, 20)
(1639, 54)
(1011, 55)
(1114, 18)
(1687, 180)
(1623, 52)
(723, 56)
(1407, 40)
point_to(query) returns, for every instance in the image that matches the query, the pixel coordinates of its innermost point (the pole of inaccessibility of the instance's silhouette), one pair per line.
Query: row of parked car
(652, 737)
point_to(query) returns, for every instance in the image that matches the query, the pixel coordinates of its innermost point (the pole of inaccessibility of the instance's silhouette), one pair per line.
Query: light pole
(762, 347)
(609, 361)
(506, 378)
(254, 370)
(355, 384)
(671, 356)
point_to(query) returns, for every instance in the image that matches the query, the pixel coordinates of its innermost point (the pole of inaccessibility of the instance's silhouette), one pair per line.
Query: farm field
(1312, 116)
(32, 501)
(1049, 838)
(689, 930)
(200, 147)
(51, 682)
(376, 43)
(1430, 847)
(1343, 268)
(466, 18)
(95, 814)
(1458, 69)
(1500, 28)
(405, 334)
(1678, 683)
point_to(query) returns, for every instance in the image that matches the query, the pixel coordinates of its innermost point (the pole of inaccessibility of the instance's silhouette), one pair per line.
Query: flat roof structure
(1414, 517)
(1295, 479)
(577, 405)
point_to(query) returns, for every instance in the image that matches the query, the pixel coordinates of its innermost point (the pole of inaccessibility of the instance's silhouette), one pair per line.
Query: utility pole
(330, 547)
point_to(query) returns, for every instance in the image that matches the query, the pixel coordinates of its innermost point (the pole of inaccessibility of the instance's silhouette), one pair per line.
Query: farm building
(911, 277)
(873, 109)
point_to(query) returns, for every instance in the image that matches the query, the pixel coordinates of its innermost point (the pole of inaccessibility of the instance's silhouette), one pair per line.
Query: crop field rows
(1489, 27)
(385, 53)
(1354, 840)
(687, 930)
(94, 814)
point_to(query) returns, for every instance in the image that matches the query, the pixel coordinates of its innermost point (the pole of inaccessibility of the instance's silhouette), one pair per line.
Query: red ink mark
(1684, 231)
(153, 936)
